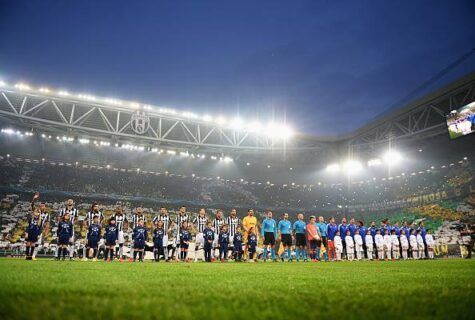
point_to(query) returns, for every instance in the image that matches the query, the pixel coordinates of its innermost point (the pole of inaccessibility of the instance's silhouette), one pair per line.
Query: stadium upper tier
(117, 122)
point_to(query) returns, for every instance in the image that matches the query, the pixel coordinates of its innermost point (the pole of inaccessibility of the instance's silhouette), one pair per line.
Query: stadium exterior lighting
(392, 158)
(352, 167)
(374, 162)
(334, 167)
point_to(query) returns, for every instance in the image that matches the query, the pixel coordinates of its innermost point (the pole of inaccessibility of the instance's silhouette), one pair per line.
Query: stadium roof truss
(421, 119)
(63, 115)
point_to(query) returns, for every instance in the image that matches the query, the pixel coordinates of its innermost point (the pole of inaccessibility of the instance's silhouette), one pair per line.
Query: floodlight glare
(334, 167)
(352, 167)
(374, 162)
(392, 158)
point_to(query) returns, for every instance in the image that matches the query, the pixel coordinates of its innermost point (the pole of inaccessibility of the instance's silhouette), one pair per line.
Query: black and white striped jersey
(44, 219)
(165, 219)
(73, 213)
(135, 220)
(90, 217)
(217, 223)
(200, 223)
(179, 221)
(119, 221)
(233, 223)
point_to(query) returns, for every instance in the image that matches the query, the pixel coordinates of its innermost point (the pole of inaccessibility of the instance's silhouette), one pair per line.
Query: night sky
(327, 67)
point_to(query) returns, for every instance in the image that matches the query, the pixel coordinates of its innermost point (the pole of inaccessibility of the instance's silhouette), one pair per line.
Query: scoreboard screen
(461, 122)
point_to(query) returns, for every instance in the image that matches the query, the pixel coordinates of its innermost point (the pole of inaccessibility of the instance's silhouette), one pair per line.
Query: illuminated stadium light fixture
(214, 158)
(3, 84)
(84, 141)
(184, 154)
(63, 93)
(236, 123)
(44, 90)
(352, 167)
(228, 159)
(242, 180)
(248, 164)
(134, 105)
(392, 158)
(221, 120)
(374, 162)
(207, 118)
(108, 166)
(334, 167)
(172, 152)
(105, 143)
(22, 86)
(268, 166)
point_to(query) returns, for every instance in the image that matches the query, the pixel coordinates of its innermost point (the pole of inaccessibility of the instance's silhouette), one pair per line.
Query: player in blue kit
(158, 235)
(300, 229)
(332, 228)
(139, 237)
(237, 244)
(32, 234)
(269, 233)
(93, 238)
(111, 236)
(285, 232)
(208, 236)
(65, 234)
(185, 238)
(343, 228)
(252, 244)
(223, 241)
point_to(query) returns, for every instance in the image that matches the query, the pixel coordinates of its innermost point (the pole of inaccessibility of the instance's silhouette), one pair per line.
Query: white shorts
(231, 241)
(121, 237)
(40, 239)
(165, 240)
(215, 241)
(200, 240)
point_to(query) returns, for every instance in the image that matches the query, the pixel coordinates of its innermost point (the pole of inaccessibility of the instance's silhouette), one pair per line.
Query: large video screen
(461, 121)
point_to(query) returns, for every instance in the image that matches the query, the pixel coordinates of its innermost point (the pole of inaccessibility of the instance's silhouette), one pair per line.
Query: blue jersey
(94, 232)
(185, 236)
(158, 234)
(111, 233)
(363, 231)
(342, 228)
(331, 231)
(140, 234)
(300, 226)
(352, 228)
(423, 232)
(322, 227)
(237, 240)
(223, 237)
(34, 227)
(252, 240)
(65, 229)
(208, 235)
(269, 225)
(285, 226)
(373, 230)
(397, 231)
(406, 230)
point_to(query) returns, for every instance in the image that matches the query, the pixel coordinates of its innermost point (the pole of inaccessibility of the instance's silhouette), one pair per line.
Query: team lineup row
(223, 238)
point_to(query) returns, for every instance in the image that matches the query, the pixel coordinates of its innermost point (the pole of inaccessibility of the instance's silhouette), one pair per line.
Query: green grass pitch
(443, 289)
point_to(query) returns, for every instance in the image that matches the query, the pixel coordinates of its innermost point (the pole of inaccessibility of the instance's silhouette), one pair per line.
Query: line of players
(221, 236)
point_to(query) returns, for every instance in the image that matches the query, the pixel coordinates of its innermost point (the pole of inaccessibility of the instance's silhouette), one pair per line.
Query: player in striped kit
(180, 218)
(165, 218)
(44, 223)
(218, 222)
(233, 222)
(199, 222)
(137, 216)
(119, 220)
(73, 216)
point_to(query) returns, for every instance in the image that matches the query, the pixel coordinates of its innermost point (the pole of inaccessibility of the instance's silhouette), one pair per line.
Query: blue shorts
(93, 243)
(110, 242)
(139, 244)
(63, 240)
